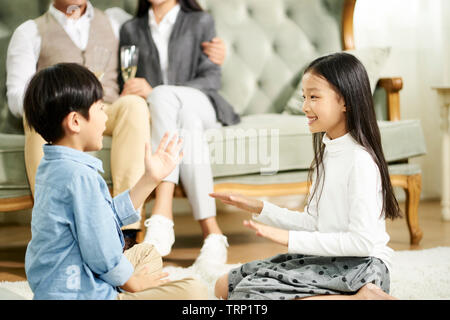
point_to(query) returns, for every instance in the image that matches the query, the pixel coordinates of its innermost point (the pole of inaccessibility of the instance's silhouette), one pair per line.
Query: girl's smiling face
(324, 107)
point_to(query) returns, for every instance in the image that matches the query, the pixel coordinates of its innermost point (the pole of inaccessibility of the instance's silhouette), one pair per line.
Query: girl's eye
(314, 97)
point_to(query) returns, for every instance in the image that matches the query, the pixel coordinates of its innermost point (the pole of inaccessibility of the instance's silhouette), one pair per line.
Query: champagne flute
(128, 61)
(100, 61)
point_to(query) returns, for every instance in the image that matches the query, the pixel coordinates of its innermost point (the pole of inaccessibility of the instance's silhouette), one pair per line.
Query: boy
(76, 250)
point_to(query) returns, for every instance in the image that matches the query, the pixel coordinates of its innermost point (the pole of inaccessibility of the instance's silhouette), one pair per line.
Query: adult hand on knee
(137, 86)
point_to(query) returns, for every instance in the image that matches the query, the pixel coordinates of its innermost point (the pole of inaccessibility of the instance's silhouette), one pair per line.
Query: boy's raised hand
(160, 164)
(240, 201)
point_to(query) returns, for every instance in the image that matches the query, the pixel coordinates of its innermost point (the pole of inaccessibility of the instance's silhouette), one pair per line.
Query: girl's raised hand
(160, 164)
(240, 201)
(277, 235)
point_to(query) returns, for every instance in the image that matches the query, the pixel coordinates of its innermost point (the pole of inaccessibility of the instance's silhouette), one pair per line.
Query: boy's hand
(151, 280)
(277, 235)
(157, 166)
(240, 201)
(160, 164)
(142, 280)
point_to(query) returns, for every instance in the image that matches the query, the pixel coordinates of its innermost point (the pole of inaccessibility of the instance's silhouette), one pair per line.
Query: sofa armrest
(392, 86)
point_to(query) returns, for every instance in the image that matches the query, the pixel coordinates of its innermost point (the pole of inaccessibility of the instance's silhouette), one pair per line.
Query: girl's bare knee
(221, 287)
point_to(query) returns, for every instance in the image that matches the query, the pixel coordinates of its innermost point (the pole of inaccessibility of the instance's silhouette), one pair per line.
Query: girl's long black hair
(186, 5)
(349, 78)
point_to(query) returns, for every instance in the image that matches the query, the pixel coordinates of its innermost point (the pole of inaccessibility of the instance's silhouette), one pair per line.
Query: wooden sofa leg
(414, 186)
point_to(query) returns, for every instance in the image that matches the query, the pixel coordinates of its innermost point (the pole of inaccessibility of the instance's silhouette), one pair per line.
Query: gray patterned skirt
(293, 276)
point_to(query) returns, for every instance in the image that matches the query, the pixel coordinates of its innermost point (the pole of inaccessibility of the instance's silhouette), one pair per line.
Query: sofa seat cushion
(295, 176)
(283, 142)
(260, 144)
(13, 176)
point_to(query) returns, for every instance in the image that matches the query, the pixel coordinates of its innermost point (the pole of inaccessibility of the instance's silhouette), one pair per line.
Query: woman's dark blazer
(188, 65)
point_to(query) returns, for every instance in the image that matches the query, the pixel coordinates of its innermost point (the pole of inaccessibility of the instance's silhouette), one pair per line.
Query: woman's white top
(161, 35)
(347, 219)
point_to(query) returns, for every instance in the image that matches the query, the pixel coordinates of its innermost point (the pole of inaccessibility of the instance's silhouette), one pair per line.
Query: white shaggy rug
(416, 274)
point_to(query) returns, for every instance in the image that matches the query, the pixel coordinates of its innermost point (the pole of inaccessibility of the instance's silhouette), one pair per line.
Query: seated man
(75, 31)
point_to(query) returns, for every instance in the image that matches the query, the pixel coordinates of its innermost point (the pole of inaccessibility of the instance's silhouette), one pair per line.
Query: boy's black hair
(349, 78)
(56, 91)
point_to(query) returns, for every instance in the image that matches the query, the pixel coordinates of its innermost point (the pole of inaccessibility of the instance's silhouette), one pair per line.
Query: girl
(337, 247)
(180, 83)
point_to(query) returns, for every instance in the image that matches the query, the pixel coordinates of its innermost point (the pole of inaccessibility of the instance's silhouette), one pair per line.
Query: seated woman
(181, 86)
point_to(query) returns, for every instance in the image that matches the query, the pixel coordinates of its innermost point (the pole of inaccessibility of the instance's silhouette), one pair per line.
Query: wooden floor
(244, 245)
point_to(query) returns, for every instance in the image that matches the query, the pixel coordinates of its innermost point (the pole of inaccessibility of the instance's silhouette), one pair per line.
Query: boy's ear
(71, 123)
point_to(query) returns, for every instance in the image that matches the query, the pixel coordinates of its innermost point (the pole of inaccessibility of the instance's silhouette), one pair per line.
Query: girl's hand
(240, 201)
(277, 235)
(215, 50)
(137, 86)
(160, 164)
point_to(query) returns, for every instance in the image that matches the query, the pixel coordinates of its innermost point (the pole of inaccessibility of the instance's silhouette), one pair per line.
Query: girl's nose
(305, 107)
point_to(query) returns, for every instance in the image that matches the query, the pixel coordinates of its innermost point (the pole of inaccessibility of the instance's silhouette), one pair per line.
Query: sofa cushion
(272, 142)
(13, 177)
(290, 146)
(260, 144)
(251, 179)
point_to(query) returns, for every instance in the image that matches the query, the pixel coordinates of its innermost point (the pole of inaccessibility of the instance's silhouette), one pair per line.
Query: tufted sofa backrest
(269, 42)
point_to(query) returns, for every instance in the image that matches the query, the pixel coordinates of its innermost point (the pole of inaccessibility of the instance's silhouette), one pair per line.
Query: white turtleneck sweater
(347, 220)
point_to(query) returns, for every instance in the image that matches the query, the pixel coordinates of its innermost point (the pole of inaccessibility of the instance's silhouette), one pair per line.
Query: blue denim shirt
(76, 249)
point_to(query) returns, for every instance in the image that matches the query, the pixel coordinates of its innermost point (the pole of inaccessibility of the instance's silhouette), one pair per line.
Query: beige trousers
(129, 125)
(144, 254)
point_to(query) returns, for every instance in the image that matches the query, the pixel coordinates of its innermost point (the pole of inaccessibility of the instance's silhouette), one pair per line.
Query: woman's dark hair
(349, 78)
(56, 91)
(186, 5)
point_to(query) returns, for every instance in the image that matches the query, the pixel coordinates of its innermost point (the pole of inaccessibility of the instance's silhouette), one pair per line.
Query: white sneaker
(213, 253)
(160, 233)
